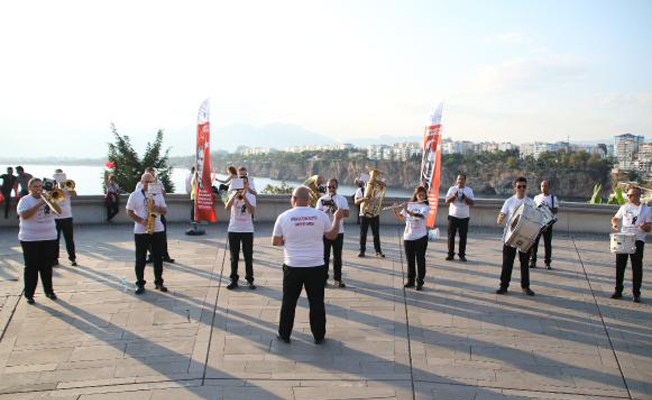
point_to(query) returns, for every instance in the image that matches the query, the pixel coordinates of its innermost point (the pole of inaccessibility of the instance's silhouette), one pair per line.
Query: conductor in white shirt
(300, 231)
(509, 253)
(460, 197)
(544, 199)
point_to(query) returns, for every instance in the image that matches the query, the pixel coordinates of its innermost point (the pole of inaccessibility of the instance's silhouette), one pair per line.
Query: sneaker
(251, 286)
(232, 285)
(161, 288)
(528, 292)
(449, 258)
(361, 254)
(51, 296)
(463, 258)
(501, 290)
(409, 285)
(282, 338)
(616, 295)
(30, 300)
(637, 299)
(380, 254)
(319, 341)
(169, 260)
(420, 286)
(340, 284)
(140, 290)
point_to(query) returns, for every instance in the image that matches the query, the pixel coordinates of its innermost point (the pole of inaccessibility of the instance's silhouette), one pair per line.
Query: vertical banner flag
(204, 209)
(431, 162)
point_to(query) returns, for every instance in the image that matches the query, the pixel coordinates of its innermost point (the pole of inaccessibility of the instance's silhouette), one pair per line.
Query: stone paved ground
(455, 340)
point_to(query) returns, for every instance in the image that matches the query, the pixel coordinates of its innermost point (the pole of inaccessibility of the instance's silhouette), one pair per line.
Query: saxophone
(374, 194)
(315, 189)
(151, 215)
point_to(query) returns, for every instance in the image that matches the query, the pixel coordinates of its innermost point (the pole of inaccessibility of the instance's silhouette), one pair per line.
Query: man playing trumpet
(139, 212)
(64, 221)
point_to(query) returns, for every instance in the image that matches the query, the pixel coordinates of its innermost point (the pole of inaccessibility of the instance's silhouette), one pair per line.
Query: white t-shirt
(302, 229)
(459, 208)
(330, 204)
(415, 227)
(66, 209)
(241, 217)
(360, 194)
(547, 200)
(633, 217)
(40, 226)
(510, 206)
(138, 204)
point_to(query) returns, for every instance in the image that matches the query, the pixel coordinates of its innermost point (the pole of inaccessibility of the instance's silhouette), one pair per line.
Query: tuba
(374, 194)
(315, 191)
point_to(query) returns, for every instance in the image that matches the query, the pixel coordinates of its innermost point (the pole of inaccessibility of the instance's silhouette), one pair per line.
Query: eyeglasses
(521, 186)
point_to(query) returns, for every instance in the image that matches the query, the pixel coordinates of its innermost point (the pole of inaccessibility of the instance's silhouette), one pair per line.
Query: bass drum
(523, 228)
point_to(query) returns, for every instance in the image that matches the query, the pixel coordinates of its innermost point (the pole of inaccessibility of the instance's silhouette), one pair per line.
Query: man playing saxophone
(145, 210)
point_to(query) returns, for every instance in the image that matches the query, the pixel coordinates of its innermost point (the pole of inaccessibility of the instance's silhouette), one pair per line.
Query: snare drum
(623, 243)
(523, 228)
(546, 217)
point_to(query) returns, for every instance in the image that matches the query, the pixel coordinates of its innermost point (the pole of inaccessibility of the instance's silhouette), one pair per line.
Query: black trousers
(65, 226)
(38, 259)
(192, 210)
(143, 243)
(294, 279)
(509, 254)
(365, 222)
(637, 269)
(7, 197)
(455, 224)
(415, 250)
(337, 245)
(164, 248)
(112, 206)
(247, 240)
(547, 242)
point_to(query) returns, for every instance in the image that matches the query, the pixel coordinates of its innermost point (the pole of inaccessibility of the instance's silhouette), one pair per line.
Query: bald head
(301, 195)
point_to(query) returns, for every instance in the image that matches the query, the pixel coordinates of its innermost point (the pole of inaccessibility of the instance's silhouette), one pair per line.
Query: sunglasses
(521, 186)
(632, 194)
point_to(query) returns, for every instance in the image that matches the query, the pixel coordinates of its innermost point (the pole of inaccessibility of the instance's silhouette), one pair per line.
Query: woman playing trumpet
(415, 237)
(38, 238)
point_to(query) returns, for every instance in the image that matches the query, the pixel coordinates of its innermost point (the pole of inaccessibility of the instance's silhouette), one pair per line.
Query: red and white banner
(431, 163)
(204, 208)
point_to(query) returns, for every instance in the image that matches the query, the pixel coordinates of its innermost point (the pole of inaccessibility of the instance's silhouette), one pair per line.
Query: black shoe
(30, 300)
(73, 263)
(380, 254)
(361, 254)
(450, 258)
(51, 296)
(161, 288)
(463, 258)
(637, 299)
(140, 290)
(169, 260)
(319, 341)
(409, 285)
(533, 265)
(340, 284)
(283, 339)
(501, 290)
(232, 285)
(548, 266)
(616, 295)
(251, 286)
(527, 291)
(420, 286)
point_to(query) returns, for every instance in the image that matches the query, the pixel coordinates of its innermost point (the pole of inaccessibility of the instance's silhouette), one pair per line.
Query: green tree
(129, 167)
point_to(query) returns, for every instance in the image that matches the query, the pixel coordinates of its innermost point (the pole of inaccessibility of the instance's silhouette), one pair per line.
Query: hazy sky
(507, 70)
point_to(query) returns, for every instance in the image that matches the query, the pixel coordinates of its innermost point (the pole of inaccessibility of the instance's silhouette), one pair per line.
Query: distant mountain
(278, 136)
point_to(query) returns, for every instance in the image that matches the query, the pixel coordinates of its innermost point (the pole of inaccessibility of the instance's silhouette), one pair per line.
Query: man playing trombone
(64, 221)
(329, 204)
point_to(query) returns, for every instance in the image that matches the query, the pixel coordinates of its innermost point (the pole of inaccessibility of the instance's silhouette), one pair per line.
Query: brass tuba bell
(374, 195)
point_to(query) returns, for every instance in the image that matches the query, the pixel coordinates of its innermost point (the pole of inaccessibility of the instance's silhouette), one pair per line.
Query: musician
(300, 231)
(38, 238)
(509, 253)
(544, 199)
(365, 222)
(166, 255)
(459, 198)
(242, 204)
(415, 237)
(637, 219)
(137, 211)
(64, 221)
(329, 204)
